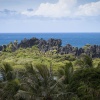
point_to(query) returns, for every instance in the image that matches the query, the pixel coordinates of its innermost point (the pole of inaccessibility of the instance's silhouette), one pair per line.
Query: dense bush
(86, 83)
(29, 74)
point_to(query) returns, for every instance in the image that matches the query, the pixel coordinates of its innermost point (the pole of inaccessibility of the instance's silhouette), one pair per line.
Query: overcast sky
(49, 16)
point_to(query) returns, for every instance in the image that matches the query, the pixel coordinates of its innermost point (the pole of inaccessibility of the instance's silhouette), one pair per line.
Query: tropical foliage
(29, 74)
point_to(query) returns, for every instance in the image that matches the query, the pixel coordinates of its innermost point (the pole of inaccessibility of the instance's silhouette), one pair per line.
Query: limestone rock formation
(54, 44)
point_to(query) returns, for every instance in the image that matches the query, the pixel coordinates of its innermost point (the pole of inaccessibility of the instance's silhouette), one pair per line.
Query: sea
(75, 39)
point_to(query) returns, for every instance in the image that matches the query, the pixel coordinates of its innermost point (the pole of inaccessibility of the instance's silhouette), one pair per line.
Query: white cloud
(60, 9)
(90, 9)
(65, 8)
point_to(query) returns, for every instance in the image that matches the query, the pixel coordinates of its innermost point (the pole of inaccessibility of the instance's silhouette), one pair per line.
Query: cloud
(60, 9)
(9, 14)
(30, 9)
(7, 11)
(90, 9)
(65, 9)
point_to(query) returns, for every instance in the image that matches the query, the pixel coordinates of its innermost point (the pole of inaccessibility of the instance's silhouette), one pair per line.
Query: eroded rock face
(66, 49)
(1, 48)
(93, 51)
(43, 45)
(50, 44)
(28, 42)
(4, 47)
(80, 51)
(55, 44)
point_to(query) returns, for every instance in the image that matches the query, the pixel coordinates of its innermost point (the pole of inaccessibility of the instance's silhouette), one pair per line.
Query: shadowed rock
(1, 48)
(55, 44)
(28, 42)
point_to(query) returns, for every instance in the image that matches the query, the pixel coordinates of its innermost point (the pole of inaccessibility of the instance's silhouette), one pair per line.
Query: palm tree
(40, 84)
(7, 72)
(85, 62)
(10, 84)
(66, 72)
(10, 89)
(86, 83)
(35, 83)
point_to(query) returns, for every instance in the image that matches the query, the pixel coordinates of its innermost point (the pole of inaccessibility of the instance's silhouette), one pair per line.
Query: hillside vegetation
(30, 74)
(44, 70)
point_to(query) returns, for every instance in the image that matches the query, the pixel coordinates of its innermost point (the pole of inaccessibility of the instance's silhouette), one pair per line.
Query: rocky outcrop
(68, 49)
(4, 47)
(80, 51)
(28, 42)
(50, 44)
(93, 51)
(54, 44)
(43, 45)
(1, 48)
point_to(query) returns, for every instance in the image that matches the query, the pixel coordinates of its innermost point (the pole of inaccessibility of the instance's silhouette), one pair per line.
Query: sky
(41, 16)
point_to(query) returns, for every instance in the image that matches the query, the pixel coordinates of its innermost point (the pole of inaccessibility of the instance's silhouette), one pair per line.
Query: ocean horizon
(75, 39)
